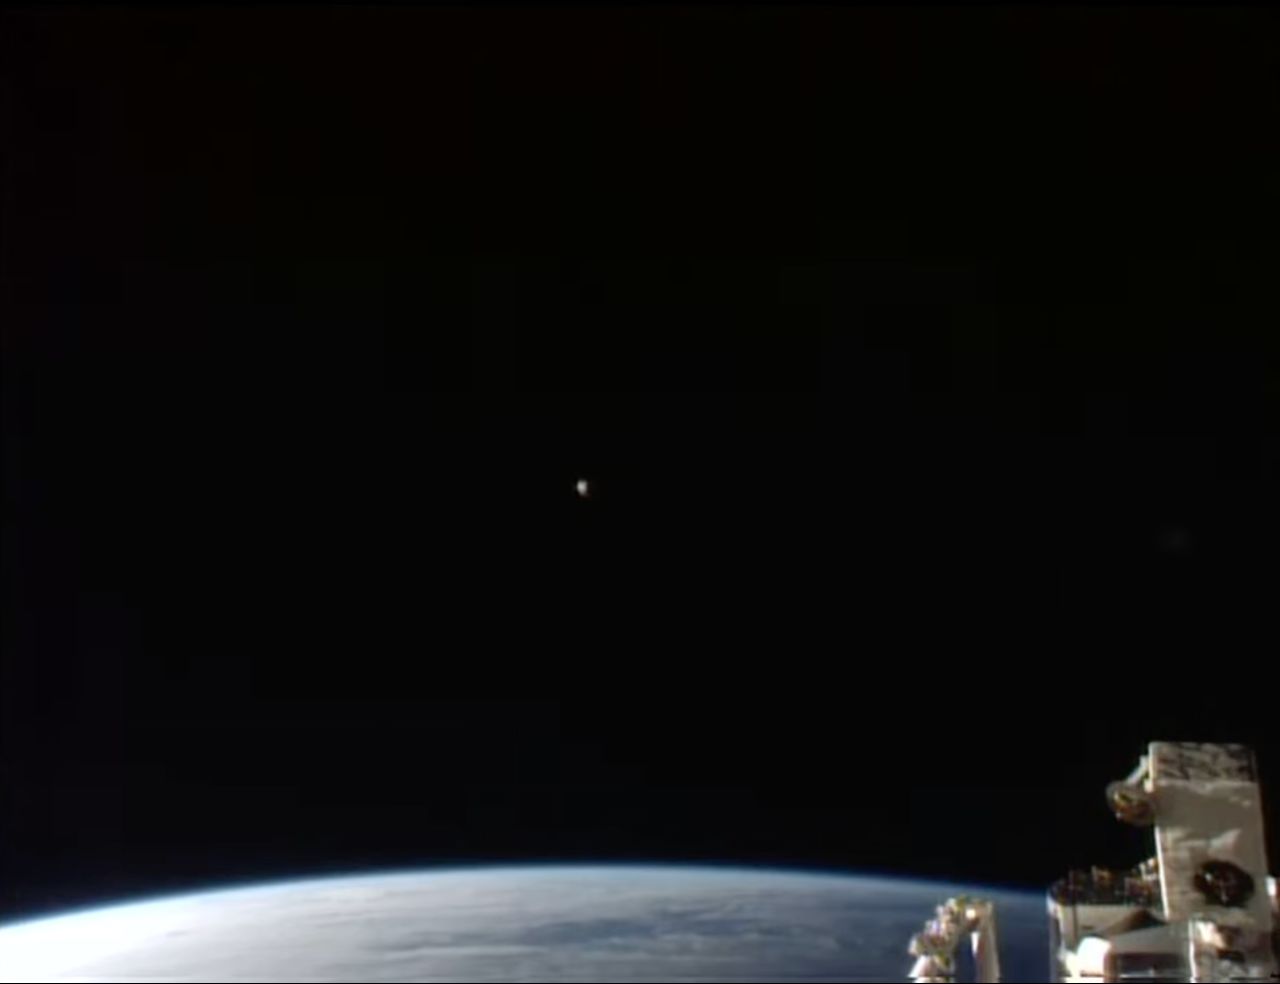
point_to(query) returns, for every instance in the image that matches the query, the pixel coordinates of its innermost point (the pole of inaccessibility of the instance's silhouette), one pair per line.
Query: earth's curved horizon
(626, 921)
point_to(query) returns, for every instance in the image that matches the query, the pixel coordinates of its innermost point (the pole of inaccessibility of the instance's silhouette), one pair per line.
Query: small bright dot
(583, 487)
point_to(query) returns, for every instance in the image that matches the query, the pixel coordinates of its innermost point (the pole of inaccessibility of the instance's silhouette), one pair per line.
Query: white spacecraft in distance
(1202, 909)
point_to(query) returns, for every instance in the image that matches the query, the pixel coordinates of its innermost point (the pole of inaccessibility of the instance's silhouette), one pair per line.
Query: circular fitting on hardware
(1224, 883)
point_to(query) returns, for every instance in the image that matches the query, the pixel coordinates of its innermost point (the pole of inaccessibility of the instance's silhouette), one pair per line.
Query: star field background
(923, 364)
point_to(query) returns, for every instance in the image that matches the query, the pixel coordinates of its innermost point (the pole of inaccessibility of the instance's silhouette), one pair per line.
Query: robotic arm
(935, 947)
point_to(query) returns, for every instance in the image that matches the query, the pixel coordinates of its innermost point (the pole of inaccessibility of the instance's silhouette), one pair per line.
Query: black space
(923, 362)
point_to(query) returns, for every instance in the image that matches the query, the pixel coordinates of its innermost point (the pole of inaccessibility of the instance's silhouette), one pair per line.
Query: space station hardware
(935, 946)
(1202, 909)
